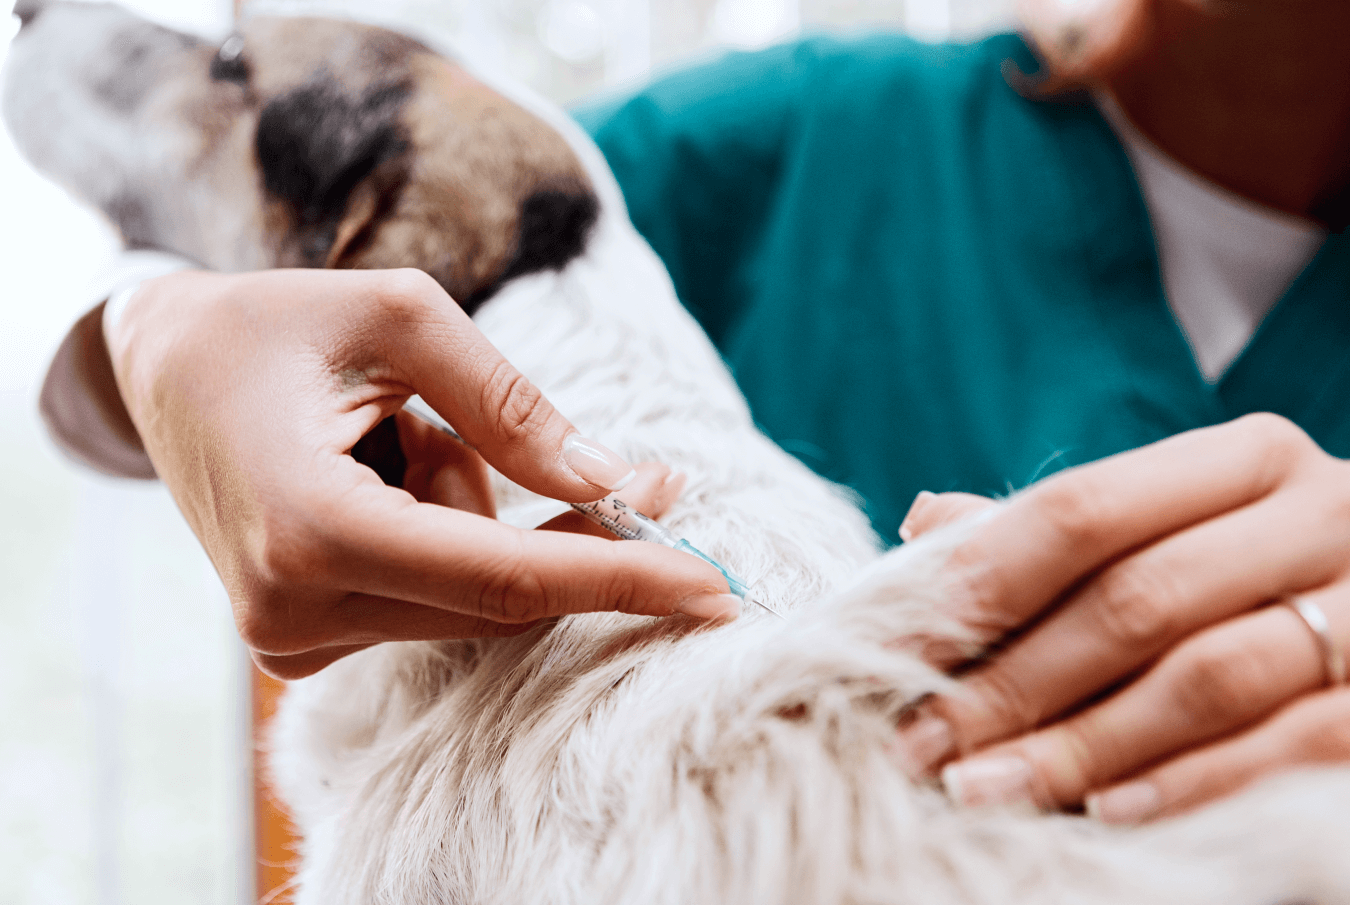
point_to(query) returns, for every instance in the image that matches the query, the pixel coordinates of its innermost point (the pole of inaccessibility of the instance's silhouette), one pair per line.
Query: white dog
(601, 758)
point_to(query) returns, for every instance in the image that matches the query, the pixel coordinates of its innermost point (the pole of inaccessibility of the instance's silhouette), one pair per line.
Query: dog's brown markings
(376, 153)
(316, 144)
(555, 222)
(468, 211)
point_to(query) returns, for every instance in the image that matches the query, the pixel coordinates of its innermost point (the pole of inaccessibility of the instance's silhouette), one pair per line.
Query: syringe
(622, 520)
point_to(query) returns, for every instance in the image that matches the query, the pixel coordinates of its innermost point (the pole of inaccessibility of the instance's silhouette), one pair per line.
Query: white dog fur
(619, 759)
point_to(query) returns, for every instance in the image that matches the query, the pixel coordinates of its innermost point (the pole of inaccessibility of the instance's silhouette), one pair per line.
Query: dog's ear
(334, 162)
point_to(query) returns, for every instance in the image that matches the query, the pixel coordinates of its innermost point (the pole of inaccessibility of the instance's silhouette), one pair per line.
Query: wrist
(125, 277)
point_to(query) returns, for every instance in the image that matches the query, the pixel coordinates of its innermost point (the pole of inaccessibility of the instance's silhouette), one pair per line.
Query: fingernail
(1131, 803)
(711, 606)
(596, 464)
(924, 744)
(906, 532)
(988, 781)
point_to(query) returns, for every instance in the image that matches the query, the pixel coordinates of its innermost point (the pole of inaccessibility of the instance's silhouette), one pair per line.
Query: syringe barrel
(623, 521)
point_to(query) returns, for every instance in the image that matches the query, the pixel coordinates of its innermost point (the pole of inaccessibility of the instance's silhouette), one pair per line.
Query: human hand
(1149, 675)
(250, 390)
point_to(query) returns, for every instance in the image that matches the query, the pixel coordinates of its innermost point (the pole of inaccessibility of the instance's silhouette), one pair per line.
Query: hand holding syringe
(622, 520)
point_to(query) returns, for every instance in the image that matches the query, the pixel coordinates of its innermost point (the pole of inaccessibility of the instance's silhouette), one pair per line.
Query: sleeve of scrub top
(80, 403)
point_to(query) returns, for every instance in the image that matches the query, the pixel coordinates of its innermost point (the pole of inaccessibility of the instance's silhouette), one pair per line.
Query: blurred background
(124, 760)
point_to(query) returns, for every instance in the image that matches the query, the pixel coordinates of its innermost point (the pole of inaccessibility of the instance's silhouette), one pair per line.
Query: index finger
(389, 545)
(440, 353)
(1050, 537)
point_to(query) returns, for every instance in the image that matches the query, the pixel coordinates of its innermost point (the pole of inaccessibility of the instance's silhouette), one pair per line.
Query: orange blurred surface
(275, 841)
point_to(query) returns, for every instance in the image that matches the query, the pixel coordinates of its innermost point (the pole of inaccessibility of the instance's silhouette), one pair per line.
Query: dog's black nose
(27, 10)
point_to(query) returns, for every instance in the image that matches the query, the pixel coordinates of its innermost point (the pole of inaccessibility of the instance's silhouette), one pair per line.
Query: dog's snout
(27, 10)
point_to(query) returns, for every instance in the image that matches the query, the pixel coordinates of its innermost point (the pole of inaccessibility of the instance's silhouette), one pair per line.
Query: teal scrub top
(922, 279)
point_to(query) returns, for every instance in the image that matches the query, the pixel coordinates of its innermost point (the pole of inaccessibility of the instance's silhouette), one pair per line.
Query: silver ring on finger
(1333, 658)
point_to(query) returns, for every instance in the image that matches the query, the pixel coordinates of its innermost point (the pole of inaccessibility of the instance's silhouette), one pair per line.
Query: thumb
(933, 510)
(501, 414)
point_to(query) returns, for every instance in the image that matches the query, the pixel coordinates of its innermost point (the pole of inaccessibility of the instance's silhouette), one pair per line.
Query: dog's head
(295, 143)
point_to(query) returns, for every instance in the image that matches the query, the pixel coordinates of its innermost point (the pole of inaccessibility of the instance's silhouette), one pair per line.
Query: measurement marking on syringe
(610, 524)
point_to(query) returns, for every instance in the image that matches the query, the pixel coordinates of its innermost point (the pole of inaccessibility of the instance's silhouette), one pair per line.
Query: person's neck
(1256, 100)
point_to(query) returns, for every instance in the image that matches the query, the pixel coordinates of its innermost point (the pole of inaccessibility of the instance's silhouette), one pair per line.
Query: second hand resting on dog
(1150, 573)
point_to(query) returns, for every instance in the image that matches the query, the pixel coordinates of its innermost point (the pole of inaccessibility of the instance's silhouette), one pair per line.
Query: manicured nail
(1131, 803)
(711, 606)
(988, 781)
(924, 744)
(907, 532)
(596, 464)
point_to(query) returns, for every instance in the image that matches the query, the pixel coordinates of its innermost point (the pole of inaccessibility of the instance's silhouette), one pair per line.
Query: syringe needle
(753, 597)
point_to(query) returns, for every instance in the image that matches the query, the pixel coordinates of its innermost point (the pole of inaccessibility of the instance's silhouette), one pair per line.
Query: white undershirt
(1225, 260)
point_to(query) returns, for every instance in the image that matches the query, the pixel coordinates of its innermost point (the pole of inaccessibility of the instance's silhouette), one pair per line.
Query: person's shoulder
(885, 62)
(722, 76)
(833, 70)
